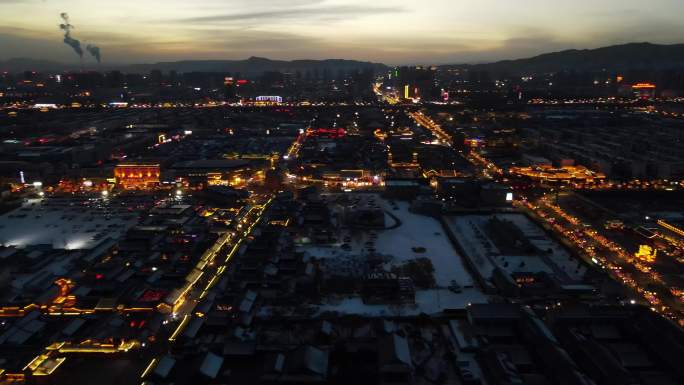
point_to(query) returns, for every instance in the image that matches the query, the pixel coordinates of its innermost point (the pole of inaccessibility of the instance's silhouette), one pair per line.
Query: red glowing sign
(332, 133)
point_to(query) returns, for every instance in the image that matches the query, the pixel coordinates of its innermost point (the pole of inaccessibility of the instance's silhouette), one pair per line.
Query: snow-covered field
(416, 231)
(422, 231)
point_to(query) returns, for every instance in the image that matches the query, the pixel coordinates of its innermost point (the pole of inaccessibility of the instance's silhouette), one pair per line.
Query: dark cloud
(329, 12)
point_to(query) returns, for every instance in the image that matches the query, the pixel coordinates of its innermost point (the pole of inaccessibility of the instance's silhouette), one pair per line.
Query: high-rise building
(415, 82)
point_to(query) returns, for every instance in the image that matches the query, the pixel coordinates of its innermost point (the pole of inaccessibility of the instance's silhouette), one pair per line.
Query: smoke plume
(95, 51)
(68, 40)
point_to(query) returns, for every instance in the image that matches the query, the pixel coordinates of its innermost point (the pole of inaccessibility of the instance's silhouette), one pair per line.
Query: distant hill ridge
(252, 66)
(632, 56)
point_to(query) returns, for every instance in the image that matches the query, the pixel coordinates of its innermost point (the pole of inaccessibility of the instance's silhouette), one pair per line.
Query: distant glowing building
(137, 176)
(644, 90)
(268, 100)
(232, 172)
(564, 174)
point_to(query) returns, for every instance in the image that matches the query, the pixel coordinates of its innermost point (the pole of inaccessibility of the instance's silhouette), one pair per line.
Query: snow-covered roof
(211, 365)
(164, 366)
(82, 226)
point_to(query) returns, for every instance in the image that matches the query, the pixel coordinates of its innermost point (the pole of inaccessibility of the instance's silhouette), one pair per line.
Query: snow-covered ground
(77, 227)
(427, 301)
(416, 231)
(422, 231)
(401, 244)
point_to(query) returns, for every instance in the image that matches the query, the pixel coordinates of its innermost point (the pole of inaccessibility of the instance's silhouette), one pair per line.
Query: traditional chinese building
(137, 176)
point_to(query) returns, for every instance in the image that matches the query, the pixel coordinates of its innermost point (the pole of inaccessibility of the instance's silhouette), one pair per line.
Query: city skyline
(392, 32)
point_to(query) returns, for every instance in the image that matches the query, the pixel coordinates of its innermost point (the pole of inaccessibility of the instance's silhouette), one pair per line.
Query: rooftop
(75, 225)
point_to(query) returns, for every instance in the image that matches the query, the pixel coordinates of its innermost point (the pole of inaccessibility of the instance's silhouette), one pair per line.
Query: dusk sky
(389, 31)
